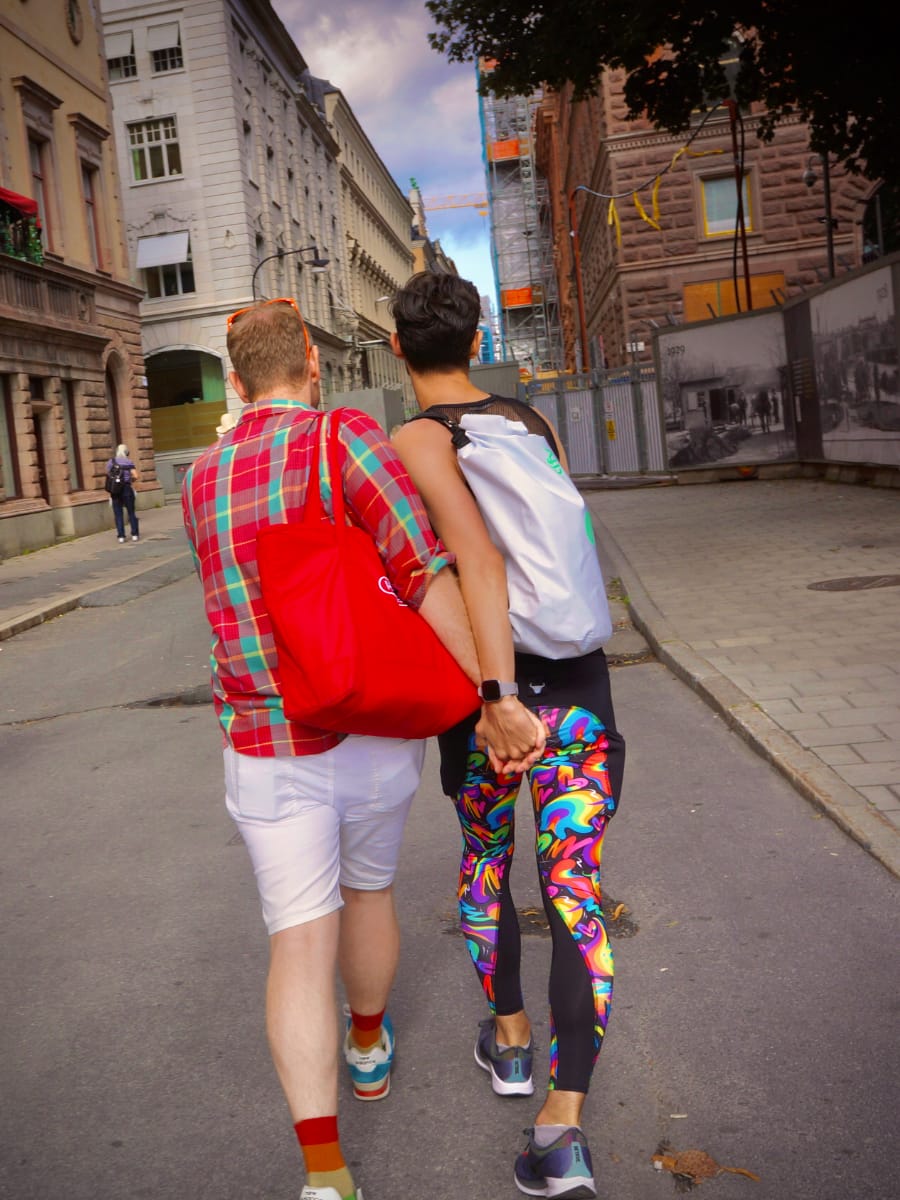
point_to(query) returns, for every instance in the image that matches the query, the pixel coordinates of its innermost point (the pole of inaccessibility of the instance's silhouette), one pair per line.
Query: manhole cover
(855, 583)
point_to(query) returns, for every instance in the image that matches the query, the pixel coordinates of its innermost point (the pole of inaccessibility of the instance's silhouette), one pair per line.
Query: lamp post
(317, 263)
(810, 178)
(741, 221)
(579, 284)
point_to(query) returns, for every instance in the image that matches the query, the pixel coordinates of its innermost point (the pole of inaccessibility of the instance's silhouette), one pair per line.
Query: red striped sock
(325, 1166)
(365, 1031)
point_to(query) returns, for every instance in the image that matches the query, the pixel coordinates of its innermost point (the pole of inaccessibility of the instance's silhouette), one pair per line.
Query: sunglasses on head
(281, 300)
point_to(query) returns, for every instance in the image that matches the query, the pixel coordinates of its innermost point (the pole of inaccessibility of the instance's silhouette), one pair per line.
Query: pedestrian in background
(322, 814)
(120, 473)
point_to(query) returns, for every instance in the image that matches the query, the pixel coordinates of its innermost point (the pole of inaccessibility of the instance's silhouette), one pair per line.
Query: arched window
(186, 388)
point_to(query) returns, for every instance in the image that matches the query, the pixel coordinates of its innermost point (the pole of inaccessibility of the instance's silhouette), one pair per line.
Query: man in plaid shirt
(322, 814)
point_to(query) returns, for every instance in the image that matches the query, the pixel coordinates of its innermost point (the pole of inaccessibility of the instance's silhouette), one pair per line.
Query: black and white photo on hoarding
(854, 335)
(723, 390)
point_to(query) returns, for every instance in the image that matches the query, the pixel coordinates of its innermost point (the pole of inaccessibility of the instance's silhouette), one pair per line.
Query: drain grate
(854, 583)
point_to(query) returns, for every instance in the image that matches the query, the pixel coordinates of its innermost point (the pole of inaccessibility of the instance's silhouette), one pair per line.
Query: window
(719, 205)
(154, 149)
(716, 297)
(38, 112)
(39, 154)
(270, 171)
(120, 60)
(73, 452)
(167, 265)
(90, 191)
(249, 150)
(164, 43)
(9, 459)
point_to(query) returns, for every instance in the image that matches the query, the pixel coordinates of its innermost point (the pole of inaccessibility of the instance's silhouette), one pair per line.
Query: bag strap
(312, 504)
(458, 435)
(328, 433)
(338, 507)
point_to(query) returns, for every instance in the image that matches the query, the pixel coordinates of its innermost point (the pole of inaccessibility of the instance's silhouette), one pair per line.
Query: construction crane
(475, 200)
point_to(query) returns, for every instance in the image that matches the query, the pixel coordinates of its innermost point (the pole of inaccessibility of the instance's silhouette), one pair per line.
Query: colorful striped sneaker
(370, 1070)
(329, 1193)
(510, 1069)
(561, 1170)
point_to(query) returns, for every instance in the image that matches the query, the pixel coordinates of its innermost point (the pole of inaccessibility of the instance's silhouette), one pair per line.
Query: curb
(807, 774)
(55, 608)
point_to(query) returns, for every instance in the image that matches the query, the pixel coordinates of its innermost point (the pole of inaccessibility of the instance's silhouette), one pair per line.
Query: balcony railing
(42, 292)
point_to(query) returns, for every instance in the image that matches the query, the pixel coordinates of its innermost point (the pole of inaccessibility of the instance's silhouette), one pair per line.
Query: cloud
(419, 111)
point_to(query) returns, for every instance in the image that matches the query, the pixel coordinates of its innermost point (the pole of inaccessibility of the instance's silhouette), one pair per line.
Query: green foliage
(833, 68)
(21, 238)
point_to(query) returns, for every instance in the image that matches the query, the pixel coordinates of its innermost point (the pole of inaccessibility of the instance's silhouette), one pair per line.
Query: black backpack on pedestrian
(115, 479)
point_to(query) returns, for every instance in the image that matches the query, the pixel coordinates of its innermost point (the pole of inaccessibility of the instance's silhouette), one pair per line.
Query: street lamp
(579, 283)
(316, 263)
(810, 178)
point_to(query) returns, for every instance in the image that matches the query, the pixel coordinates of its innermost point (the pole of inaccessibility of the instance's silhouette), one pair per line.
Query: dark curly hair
(437, 318)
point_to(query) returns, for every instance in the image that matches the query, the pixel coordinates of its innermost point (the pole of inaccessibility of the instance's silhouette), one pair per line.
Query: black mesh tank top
(503, 406)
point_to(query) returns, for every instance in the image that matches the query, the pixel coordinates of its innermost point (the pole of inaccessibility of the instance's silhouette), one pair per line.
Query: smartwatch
(492, 690)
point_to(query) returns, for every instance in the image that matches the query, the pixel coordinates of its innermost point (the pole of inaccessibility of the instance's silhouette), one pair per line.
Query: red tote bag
(352, 656)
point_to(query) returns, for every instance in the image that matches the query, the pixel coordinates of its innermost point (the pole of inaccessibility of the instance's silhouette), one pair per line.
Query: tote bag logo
(385, 585)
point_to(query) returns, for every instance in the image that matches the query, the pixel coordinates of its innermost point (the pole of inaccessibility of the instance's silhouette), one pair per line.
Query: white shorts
(315, 822)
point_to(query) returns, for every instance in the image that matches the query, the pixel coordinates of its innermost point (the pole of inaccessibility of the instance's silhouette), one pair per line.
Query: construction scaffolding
(521, 233)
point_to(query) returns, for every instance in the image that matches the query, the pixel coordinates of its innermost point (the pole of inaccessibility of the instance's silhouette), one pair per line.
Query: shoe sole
(557, 1189)
(501, 1087)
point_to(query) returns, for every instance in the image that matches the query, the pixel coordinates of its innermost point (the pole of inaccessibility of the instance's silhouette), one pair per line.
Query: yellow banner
(612, 218)
(653, 221)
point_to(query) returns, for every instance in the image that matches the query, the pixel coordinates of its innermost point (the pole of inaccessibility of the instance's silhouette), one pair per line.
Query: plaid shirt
(257, 475)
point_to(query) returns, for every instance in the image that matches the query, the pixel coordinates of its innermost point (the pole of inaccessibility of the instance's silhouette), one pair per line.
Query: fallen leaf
(695, 1166)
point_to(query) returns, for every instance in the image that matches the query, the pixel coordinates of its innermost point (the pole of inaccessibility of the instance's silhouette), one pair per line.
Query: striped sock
(325, 1166)
(365, 1032)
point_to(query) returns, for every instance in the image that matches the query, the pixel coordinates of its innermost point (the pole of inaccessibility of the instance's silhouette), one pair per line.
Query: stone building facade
(677, 260)
(71, 370)
(428, 253)
(244, 177)
(376, 223)
(231, 190)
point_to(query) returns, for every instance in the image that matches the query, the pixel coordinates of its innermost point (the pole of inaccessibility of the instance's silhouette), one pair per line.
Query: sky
(418, 111)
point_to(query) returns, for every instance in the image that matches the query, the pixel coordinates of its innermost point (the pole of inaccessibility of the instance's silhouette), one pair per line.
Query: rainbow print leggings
(573, 801)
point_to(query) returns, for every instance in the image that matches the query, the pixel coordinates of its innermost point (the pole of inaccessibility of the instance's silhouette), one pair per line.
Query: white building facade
(377, 228)
(232, 189)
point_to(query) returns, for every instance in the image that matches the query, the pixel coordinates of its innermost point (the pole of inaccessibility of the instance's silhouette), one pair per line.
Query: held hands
(512, 735)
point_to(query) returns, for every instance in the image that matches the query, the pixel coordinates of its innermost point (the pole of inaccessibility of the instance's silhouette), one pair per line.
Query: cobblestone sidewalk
(719, 578)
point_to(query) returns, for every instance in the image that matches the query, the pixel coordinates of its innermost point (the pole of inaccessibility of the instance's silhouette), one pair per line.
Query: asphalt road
(756, 1004)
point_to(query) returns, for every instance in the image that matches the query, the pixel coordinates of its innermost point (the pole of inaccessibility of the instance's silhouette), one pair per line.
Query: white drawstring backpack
(538, 520)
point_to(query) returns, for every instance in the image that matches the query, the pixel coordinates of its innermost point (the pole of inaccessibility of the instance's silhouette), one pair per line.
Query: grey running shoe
(561, 1170)
(510, 1070)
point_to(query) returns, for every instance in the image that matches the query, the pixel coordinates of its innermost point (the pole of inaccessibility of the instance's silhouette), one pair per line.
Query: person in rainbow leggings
(573, 768)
